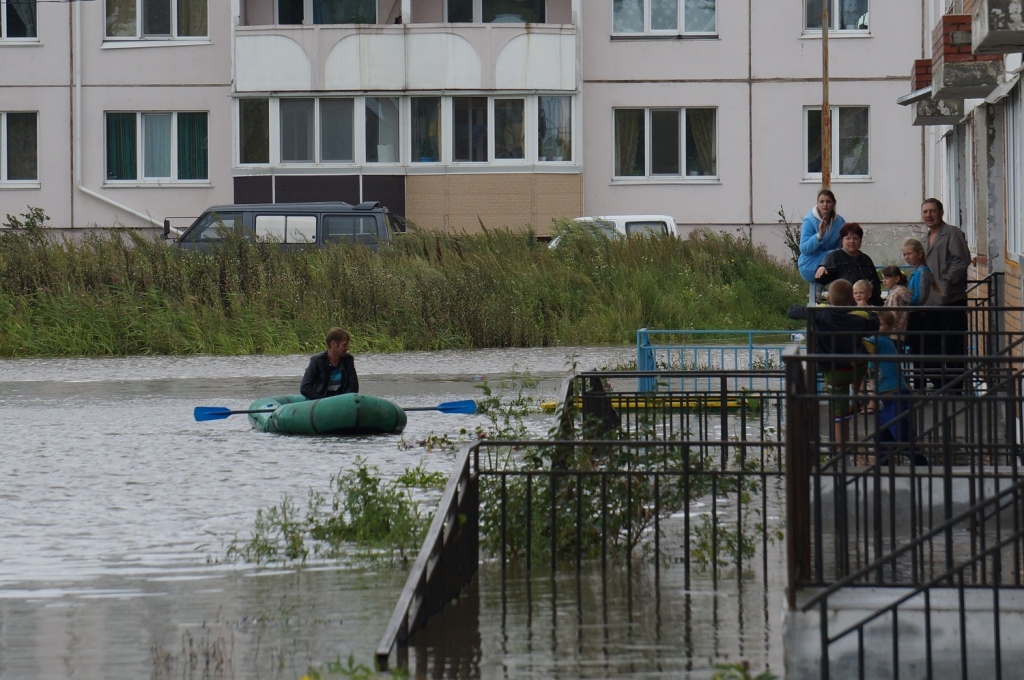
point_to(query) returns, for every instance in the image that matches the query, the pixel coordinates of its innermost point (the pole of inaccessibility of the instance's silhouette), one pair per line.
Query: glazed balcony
(997, 27)
(402, 57)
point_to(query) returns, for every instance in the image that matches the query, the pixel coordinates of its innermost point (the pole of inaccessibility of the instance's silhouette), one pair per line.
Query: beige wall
(459, 203)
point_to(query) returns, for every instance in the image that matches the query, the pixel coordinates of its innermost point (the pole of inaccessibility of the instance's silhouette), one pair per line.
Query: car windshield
(646, 228)
(214, 226)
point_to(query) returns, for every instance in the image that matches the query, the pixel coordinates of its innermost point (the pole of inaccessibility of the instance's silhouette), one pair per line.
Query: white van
(628, 225)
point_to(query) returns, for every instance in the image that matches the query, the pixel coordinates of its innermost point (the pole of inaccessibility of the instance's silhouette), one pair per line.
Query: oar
(204, 413)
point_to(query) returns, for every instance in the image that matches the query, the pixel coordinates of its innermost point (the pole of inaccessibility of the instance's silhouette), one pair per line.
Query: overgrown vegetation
(119, 293)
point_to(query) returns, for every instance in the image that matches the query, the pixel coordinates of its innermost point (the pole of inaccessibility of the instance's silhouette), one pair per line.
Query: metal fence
(689, 483)
(918, 491)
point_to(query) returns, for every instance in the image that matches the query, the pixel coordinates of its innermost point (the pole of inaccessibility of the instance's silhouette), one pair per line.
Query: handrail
(413, 604)
(906, 547)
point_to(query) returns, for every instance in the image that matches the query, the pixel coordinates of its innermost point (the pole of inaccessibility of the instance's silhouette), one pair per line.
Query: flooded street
(118, 509)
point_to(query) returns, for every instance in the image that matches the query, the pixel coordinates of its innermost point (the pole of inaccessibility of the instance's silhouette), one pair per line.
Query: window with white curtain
(19, 147)
(843, 15)
(667, 17)
(157, 147)
(18, 19)
(160, 19)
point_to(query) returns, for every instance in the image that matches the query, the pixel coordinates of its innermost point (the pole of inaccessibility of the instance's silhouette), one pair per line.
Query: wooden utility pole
(826, 112)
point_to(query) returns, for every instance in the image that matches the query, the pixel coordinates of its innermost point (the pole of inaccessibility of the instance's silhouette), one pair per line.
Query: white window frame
(680, 23)
(16, 183)
(139, 36)
(140, 152)
(478, 12)
(682, 177)
(3, 26)
(1014, 186)
(833, 11)
(969, 226)
(953, 177)
(835, 144)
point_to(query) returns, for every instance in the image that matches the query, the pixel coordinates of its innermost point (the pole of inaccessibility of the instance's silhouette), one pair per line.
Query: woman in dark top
(847, 262)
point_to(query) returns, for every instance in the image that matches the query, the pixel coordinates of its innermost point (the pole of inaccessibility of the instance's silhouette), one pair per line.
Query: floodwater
(116, 510)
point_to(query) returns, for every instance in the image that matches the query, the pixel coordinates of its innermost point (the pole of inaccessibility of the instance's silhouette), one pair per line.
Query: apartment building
(710, 112)
(455, 113)
(966, 95)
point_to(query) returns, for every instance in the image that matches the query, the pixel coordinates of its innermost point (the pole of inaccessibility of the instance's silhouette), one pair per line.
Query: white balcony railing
(402, 57)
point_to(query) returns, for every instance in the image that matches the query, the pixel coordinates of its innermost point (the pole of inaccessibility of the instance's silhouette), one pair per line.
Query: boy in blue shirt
(895, 420)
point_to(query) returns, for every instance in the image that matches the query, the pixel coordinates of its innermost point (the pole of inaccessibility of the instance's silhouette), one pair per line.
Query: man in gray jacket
(948, 258)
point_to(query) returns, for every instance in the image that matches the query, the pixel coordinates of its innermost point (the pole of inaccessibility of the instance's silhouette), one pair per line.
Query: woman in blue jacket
(819, 235)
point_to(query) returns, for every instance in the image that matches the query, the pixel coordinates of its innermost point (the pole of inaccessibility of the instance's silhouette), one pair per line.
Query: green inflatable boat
(351, 414)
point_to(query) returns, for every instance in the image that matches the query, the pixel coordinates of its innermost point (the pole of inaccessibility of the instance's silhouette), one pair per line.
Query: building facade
(456, 113)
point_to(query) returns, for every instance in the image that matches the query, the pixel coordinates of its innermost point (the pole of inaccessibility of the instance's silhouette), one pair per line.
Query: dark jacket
(842, 265)
(837, 331)
(948, 256)
(318, 376)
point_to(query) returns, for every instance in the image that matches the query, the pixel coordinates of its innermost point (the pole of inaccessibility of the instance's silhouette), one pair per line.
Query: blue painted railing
(742, 350)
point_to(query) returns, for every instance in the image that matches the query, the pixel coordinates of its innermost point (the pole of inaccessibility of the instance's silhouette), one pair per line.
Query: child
(895, 281)
(895, 421)
(839, 332)
(923, 293)
(862, 291)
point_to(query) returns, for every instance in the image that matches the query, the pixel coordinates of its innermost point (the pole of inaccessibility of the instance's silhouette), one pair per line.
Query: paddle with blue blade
(205, 413)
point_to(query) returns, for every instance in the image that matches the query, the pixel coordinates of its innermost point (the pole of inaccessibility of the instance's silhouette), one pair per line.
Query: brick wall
(921, 74)
(516, 200)
(951, 41)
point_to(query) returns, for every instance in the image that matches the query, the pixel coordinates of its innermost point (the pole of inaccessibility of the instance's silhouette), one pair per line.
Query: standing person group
(830, 251)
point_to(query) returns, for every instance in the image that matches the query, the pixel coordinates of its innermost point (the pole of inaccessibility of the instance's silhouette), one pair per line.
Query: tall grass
(121, 294)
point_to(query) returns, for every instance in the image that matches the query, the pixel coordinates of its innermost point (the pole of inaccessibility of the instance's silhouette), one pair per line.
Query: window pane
(629, 143)
(121, 19)
(813, 14)
(344, 11)
(513, 11)
(508, 128)
(628, 16)
(700, 16)
(350, 228)
(297, 130)
(193, 141)
(554, 129)
(254, 130)
(336, 130)
(156, 17)
(22, 147)
(213, 226)
(460, 11)
(426, 129)
(156, 150)
(701, 143)
(813, 141)
(853, 15)
(664, 15)
(192, 17)
(469, 129)
(121, 150)
(270, 227)
(664, 142)
(289, 11)
(853, 140)
(382, 129)
(21, 18)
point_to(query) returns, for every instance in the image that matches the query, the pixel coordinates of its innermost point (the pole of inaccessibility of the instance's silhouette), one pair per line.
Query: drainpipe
(78, 127)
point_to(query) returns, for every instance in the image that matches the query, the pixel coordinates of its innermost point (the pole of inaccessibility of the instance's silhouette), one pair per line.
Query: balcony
(958, 73)
(404, 57)
(998, 27)
(937, 111)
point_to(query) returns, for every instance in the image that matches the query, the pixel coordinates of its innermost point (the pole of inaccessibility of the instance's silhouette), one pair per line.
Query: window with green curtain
(630, 143)
(22, 147)
(121, 19)
(122, 154)
(192, 18)
(193, 145)
(344, 11)
(254, 130)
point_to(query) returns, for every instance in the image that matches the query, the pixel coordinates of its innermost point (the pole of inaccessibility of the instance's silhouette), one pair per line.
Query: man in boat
(331, 372)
